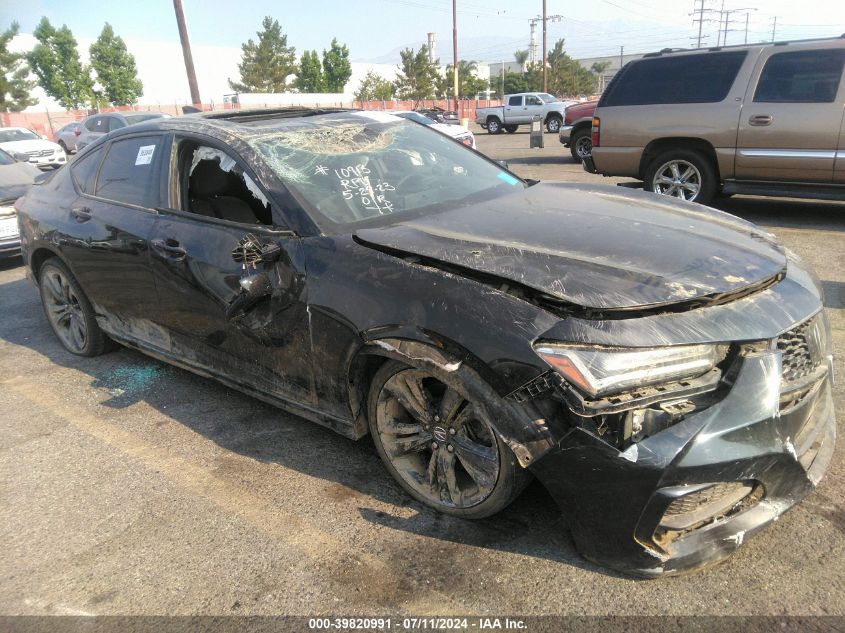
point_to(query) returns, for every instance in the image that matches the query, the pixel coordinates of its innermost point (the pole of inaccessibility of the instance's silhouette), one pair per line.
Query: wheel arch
(553, 115)
(660, 145)
(41, 255)
(522, 429)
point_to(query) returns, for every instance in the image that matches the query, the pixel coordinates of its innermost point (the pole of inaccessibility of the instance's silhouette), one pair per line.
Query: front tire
(437, 444)
(493, 126)
(553, 125)
(682, 173)
(69, 312)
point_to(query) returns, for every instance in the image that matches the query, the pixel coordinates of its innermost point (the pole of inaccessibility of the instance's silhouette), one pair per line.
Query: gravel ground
(130, 487)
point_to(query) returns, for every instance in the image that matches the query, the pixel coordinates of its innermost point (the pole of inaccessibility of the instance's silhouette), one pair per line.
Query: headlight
(599, 371)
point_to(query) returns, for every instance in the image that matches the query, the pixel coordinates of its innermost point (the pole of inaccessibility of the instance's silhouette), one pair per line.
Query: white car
(42, 153)
(457, 132)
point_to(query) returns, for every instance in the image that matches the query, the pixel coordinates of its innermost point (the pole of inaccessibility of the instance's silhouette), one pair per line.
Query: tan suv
(762, 120)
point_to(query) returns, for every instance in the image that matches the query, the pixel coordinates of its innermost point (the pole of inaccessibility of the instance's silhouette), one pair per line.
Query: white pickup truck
(520, 109)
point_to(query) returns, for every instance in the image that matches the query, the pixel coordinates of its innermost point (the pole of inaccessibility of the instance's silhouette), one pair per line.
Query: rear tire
(682, 173)
(494, 126)
(581, 144)
(449, 458)
(69, 312)
(510, 129)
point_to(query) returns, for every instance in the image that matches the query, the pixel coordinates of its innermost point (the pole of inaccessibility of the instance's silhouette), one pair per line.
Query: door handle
(170, 249)
(760, 119)
(81, 214)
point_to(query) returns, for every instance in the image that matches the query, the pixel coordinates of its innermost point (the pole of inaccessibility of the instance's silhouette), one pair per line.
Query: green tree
(521, 58)
(115, 68)
(374, 87)
(55, 62)
(15, 86)
(566, 76)
(336, 66)
(469, 84)
(310, 77)
(266, 65)
(417, 76)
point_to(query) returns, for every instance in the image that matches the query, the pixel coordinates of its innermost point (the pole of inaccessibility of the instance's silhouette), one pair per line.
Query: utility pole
(186, 52)
(746, 28)
(455, 54)
(728, 13)
(621, 56)
(699, 11)
(721, 17)
(532, 42)
(774, 27)
(545, 74)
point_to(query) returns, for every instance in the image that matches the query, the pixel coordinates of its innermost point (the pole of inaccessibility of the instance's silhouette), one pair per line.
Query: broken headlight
(599, 371)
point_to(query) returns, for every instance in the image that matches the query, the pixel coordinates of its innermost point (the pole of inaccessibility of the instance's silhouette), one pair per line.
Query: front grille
(703, 505)
(800, 353)
(40, 152)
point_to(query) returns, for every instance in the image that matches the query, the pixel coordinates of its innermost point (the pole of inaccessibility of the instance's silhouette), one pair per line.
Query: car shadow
(834, 293)
(780, 212)
(532, 526)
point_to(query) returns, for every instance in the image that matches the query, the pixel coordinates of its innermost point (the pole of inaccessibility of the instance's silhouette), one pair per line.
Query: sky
(376, 30)
(489, 29)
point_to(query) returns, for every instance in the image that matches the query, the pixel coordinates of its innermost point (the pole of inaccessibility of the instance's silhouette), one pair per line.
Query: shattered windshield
(362, 166)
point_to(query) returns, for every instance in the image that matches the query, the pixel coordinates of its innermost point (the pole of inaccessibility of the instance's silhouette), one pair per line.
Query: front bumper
(615, 501)
(589, 165)
(55, 160)
(564, 133)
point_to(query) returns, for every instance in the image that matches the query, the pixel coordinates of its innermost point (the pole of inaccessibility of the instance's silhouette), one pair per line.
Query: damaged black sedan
(662, 368)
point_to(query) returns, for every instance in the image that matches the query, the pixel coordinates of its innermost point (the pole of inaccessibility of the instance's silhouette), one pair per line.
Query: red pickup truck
(576, 131)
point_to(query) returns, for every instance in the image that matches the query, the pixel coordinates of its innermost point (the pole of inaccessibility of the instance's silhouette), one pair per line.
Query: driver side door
(204, 244)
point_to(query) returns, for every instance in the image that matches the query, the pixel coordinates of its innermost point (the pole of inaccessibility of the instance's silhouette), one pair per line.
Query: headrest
(208, 179)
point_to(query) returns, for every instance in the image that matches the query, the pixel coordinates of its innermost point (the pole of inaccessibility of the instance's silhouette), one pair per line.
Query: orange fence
(48, 123)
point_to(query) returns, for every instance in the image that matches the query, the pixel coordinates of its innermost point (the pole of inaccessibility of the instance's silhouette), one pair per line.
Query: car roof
(732, 47)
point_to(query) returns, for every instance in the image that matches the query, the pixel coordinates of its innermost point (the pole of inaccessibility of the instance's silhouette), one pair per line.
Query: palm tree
(521, 57)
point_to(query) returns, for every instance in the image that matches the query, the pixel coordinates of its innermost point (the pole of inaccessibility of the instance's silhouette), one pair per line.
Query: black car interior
(212, 191)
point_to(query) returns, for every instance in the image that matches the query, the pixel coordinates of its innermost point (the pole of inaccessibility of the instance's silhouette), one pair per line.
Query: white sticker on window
(145, 155)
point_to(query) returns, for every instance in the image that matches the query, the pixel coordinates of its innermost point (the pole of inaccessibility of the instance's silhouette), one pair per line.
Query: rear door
(198, 264)
(789, 127)
(515, 110)
(106, 236)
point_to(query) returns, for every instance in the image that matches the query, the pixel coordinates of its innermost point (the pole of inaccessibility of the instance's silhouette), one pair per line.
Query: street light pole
(455, 54)
(186, 52)
(545, 76)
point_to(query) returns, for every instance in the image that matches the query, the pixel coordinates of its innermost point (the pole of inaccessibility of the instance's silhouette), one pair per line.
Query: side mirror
(21, 157)
(253, 289)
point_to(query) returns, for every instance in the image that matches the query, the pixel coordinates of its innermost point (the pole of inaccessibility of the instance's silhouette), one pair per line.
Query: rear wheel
(69, 312)
(510, 129)
(439, 446)
(494, 126)
(684, 174)
(581, 144)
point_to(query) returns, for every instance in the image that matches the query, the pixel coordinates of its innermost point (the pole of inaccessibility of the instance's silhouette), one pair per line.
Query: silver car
(97, 125)
(67, 135)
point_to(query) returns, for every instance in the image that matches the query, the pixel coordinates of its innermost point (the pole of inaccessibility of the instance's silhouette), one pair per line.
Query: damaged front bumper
(690, 495)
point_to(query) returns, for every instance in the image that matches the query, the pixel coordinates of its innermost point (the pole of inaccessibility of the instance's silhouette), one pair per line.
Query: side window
(801, 77)
(115, 123)
(84, 170)
(91, 124)
(131, 171)
(705, 78)
(531, 100)
(215, 185)
(515, 101)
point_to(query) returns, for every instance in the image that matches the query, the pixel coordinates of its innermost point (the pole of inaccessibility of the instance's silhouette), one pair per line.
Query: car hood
(581, 109)
(29, 145)
(15, 180)
(595, 247)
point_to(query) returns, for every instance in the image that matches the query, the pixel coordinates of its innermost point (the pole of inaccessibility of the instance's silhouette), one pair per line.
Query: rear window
(801, 77)
(675, 79)
(84, 170)
(131, 170)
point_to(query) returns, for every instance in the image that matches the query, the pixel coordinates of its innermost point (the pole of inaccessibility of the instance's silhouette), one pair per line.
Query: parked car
(16, 176)
(576, 132)
(762, 119)
(664, 369)
(520, 109)
(66, 136)
(97, 125)
(42, 153)
(457, 132)
(440, 115)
